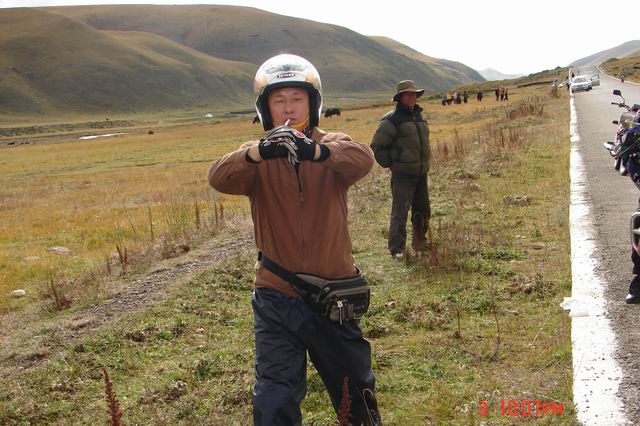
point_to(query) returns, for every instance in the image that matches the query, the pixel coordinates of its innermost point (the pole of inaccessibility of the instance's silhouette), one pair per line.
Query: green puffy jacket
(401, 141)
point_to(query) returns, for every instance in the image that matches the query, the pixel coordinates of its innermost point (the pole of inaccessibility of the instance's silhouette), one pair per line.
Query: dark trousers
(409, 192)
(285, 329)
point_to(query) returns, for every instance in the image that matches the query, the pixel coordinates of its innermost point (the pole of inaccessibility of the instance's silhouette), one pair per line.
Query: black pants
(285, 329)
(409, 192)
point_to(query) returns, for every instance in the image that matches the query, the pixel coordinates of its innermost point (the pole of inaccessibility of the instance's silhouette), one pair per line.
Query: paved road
(612, 199)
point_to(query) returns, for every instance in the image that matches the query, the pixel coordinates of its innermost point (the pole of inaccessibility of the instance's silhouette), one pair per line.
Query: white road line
(596, 374)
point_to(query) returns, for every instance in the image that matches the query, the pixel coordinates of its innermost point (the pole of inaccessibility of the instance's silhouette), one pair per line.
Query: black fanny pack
(338, 300)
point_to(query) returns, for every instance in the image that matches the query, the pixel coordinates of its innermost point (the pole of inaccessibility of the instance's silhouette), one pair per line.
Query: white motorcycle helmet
(285, 71)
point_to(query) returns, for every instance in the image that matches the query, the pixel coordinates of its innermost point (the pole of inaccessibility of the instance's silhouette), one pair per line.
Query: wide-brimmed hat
(407, 86)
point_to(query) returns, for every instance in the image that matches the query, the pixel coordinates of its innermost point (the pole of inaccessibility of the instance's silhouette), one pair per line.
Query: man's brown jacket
(300, 218)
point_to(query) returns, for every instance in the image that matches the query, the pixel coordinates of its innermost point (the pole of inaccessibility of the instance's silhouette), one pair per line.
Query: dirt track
(140, 293)
(613, 198)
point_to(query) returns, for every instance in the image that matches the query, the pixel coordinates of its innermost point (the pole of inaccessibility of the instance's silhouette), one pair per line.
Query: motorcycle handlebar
(621, 105)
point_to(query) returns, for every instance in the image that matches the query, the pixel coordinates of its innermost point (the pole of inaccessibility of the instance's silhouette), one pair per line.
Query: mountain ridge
(81, 69)
(491, 75)
(619, 51)
(133, 58)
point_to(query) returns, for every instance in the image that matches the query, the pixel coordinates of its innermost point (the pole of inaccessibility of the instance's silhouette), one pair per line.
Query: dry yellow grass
(85, 195)
(438, 348)
(628, 67)
(90, 195)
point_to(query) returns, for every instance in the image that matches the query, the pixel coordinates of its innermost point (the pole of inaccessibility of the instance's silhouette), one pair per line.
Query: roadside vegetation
(628, 67)
(477, 319)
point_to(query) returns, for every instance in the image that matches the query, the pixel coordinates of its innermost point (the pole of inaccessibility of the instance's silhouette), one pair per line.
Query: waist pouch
(339, 300)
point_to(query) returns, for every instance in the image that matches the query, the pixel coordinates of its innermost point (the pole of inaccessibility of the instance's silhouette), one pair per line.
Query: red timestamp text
(521, 408)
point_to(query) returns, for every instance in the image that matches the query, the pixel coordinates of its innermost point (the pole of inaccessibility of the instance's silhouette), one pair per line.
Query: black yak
(332, 111)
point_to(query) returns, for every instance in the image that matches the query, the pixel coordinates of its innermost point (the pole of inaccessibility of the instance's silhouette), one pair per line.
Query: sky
(513, 37)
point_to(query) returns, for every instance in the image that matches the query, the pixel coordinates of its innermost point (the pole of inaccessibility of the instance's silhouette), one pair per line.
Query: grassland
(477, 319)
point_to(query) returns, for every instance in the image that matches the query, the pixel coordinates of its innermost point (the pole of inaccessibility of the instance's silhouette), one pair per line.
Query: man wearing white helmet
(309, 295)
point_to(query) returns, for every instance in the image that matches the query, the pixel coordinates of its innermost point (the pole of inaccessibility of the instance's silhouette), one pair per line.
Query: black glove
(298, 147)
(306, 149)
(269, 149)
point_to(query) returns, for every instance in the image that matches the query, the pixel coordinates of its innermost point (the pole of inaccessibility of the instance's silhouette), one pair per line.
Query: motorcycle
(627, 120)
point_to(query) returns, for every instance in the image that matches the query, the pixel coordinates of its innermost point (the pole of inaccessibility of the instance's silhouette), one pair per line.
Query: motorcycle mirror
(616, 122)
(617, 92)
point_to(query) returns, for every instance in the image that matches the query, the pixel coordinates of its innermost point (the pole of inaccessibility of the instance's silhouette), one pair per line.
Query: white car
(581, 83)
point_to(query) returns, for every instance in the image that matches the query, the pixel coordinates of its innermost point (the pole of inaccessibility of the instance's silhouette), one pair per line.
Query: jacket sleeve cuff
(325, 152)
(249, 159)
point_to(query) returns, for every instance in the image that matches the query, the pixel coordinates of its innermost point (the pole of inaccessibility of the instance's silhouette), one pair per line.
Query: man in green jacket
(401, 143)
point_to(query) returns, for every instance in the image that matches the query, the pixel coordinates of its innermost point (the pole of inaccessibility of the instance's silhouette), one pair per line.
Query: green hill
(349, 62)
(134, 58)
(452, 72)
(50, 63)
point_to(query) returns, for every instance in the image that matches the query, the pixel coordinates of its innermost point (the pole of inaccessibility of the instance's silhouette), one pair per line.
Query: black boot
(634, 291)
(371, 407)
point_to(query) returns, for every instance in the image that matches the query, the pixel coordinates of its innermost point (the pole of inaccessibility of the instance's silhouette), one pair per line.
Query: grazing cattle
(151, 131)
(256, 119)
(332, 111)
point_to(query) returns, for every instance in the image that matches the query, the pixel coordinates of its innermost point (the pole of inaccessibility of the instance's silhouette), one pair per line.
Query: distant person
(567, 83)
(479, 96)
(506, 93)
(497, 92)
(501, 92)
(572, 75)
(554, 88)
(465, 97)
(297, 160)
(449, 97)
(443, 99)
(401, 143)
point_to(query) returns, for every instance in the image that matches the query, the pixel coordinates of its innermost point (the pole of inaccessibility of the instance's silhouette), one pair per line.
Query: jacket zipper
(304, 244)
(421, 142)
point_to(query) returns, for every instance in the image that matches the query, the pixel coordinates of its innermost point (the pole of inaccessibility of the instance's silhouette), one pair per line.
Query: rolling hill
(629, 67)
(451, 72)
(134, 58)
(620, 51)
(493, 75)
(349, 62)
(51, 63)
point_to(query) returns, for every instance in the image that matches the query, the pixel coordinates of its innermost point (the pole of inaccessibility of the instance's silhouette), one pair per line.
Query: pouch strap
(296, 282)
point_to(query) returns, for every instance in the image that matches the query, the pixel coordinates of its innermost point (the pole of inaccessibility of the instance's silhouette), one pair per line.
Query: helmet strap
(301, 126)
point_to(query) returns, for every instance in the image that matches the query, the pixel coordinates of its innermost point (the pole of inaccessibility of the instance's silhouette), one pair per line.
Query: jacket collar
(417, 109)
